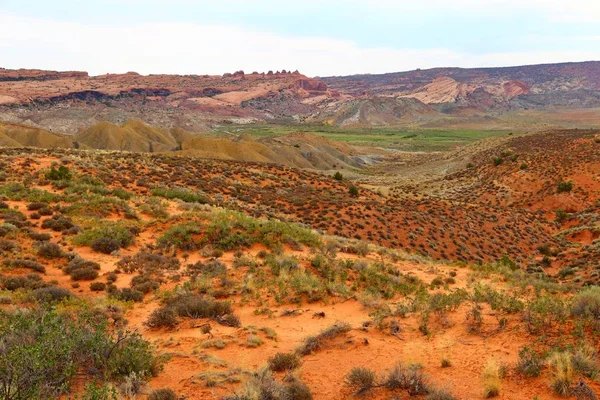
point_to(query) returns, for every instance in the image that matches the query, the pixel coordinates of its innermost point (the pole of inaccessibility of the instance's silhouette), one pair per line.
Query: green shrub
(353, 191)
(564, 187)
(338, 176)
(586, 303)
(183, 194)
(116, 231)
(530, 363)
(195, 306)
(62, 173)
(181, 235)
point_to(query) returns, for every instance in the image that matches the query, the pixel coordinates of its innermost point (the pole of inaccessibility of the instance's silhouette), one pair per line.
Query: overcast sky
(317, 37)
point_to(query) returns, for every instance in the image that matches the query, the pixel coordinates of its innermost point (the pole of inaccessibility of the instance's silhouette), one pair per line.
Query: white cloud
(215, 49)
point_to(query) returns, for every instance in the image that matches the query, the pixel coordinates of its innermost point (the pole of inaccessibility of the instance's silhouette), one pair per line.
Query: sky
(316, 37)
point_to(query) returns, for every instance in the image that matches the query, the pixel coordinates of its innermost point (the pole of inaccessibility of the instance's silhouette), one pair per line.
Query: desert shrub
(530, 363)
(99, 391)
(562, 373)
(7, 228)
(353, 191)
(8, 246)
(38, 354)
(46, 211)
(409, 378)
(361, 379)
(121, 193)
(563, 187)
(195, 306)
(23, 263)
(97, 286)
(84, 274)
(284, 362)
(163, 394)
(115, 231)
(229, 320)
(36, 206)
(49, 250)
(254, 341)
(82, 270)
(498, 161)
(491, 379)
(584, 360)
(262, 385)
(183, 194)
(58, 223)
(144, 283)
(130, 354)
(440, 394)
(543, 313)
(144, 262)
(181, 235)
(105, 245)
(51, 294)
(127, 294)
(162, 317)
(315, 343)
(29, 282)
(62, 173)
(211, 268)
(586, 303)
(40, 237)
(338, 176)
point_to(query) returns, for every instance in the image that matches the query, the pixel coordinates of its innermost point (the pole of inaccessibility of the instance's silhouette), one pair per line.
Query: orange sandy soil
(324, 371)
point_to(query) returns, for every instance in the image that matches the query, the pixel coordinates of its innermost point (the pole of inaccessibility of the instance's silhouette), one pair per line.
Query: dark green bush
(62, 173)
(105, 245)
(97, 286)
(564, 187)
